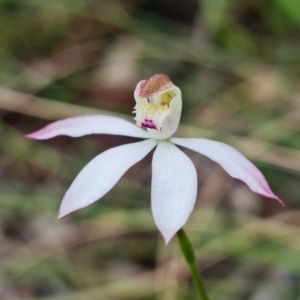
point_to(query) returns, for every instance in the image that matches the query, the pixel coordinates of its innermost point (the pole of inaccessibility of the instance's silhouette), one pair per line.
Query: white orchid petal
(233, 162)
(79, 126)
(174, 188)
(102, 173)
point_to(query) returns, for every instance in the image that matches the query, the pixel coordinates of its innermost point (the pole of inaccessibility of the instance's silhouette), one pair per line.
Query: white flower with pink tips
(174, 178)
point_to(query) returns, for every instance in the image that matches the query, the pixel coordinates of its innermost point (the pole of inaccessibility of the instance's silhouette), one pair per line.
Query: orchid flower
(174, 178)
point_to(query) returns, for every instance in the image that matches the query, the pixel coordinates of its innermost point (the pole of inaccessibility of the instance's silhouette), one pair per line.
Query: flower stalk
(188, 253)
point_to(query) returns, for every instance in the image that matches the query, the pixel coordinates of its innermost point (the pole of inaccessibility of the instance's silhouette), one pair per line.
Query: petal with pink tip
(232, 161)
(101, 174)
(173, 190)
(79, 126)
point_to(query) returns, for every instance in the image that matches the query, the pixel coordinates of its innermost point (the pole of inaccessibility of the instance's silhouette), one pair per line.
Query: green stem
(188, 253)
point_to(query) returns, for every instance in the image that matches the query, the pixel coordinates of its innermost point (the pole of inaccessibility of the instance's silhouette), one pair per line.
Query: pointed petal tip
(278, 200)
(28, 137)
(63, 212)
(167, 235)
(25, 137)
(32, 136)
(167, 238)
(271, 195)
(62, 215)
(167, 241)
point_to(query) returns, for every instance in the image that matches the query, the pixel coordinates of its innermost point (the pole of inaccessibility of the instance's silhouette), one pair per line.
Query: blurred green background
(238, 65)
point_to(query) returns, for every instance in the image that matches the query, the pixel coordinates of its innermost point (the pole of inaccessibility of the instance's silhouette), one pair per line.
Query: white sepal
(79, 126)
(173, 190)
(101, 174)
(232, 161)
